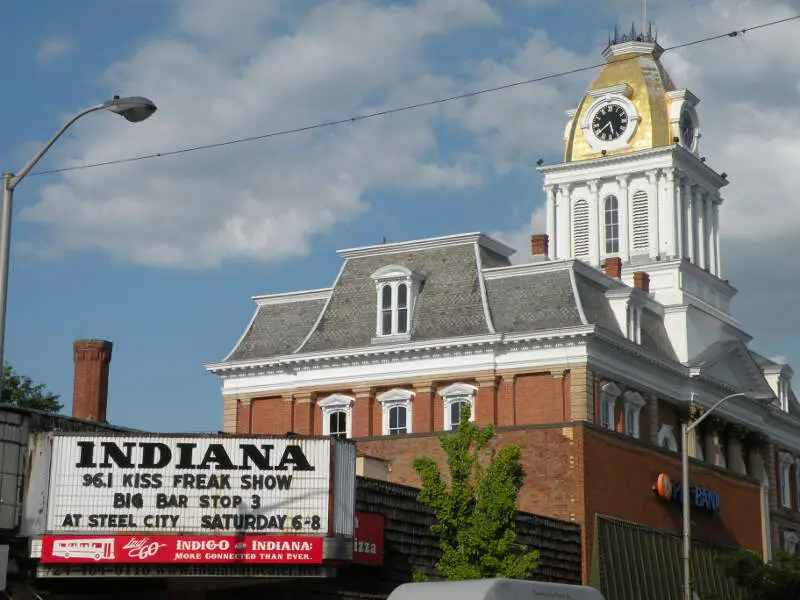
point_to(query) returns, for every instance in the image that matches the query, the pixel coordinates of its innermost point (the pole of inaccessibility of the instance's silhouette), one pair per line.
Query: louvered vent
(580, 228)
(641, 222)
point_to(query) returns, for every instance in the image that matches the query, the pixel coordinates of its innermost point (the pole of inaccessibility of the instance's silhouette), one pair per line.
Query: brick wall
(573, 473)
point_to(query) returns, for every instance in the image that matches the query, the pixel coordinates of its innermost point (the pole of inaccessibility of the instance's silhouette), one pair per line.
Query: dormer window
(397, 288)
(634, 320)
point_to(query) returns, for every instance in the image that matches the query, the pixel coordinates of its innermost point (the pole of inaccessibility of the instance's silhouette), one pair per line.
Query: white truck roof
(493, 589)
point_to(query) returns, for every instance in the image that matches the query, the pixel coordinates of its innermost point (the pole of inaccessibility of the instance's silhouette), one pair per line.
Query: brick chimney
(613, 267)
(90, 392)
(641, 280)
(539, 245)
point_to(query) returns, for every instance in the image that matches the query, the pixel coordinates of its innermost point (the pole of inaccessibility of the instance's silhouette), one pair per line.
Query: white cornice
(633, 47)
(531, 268)
(663, 157)
(446, 241)
(288, 297)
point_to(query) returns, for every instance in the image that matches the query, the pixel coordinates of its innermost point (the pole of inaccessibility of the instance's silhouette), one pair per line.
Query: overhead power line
(398, 109)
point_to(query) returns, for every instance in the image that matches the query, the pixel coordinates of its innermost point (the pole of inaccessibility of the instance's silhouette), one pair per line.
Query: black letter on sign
(293, 455)
(216, 453)
(87, 456)
(124, 460)
(250, 453)
(185, 456)
(149, 460)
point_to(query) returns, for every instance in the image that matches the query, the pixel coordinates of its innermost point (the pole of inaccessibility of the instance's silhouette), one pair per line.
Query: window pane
(386, 322)
(337, 424)
(402, 296)
(386, 297)
(612, 224)
(402, 320)
(397, 420)
(455, 414)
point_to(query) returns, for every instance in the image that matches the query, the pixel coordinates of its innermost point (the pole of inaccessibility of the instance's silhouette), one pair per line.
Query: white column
(564, 219)
(718, 270)
(688, 219)
(552, 232)
(655, 238)
(596, 233)
(700, 231)
(624, 230)
(711, 255)
(673, 183)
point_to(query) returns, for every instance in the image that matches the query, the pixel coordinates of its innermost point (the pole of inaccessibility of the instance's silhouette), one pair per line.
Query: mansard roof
(468, 288)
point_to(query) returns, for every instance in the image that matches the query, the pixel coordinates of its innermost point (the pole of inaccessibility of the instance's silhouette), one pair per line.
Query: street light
(133, 109)
(685, 430)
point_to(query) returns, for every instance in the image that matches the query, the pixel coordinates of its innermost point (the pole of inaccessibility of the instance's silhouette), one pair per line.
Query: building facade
(591, 355)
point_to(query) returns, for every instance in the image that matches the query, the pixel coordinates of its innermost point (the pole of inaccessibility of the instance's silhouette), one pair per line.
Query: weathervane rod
(644, 17)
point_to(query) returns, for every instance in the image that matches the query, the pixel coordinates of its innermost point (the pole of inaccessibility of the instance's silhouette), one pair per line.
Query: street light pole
(133, 109)
(686, 429)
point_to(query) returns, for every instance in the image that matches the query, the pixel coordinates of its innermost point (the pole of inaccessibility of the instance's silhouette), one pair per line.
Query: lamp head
(133, 108)
(763, 398)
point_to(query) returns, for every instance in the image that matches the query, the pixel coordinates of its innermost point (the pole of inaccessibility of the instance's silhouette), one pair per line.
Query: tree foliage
(19, 390)
(776, 580)
(476, 507)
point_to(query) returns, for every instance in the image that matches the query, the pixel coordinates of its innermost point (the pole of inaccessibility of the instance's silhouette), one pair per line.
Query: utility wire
(398, 109)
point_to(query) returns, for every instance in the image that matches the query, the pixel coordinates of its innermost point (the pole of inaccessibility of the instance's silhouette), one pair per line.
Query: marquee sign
(208, 485)
(163, 549)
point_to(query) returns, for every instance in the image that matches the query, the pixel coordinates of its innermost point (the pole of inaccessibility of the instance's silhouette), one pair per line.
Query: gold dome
(634, 74)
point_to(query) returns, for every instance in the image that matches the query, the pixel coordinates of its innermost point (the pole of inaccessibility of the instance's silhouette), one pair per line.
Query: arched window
(666, 438)
(611, 210)
(337, 415)
(396, 406)
(641, 222)
(580, 228)
(386, 309)
(455, 397)
(397, 288)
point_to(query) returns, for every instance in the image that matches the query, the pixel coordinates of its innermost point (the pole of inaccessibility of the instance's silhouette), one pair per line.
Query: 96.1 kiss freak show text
(240, 520)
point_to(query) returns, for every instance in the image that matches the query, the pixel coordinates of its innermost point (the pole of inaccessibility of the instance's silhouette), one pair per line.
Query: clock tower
(633, 186)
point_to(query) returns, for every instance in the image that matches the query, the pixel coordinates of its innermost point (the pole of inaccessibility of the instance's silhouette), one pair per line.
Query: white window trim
(394, 276)
(606, 252)
(633, 404)
(785, 478)
(609, 393)
(667, 434)
(790, 540)
(395, 398)
(458, 392)
(797, 482)
(335, 403)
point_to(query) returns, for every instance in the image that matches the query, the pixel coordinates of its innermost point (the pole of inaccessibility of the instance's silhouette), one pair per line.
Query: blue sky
(162, 256)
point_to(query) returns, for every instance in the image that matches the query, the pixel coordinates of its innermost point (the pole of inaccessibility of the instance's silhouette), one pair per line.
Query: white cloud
(256, 201)
(54, 48)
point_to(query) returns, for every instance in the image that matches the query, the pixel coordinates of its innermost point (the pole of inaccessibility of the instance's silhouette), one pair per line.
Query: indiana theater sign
(164, 500)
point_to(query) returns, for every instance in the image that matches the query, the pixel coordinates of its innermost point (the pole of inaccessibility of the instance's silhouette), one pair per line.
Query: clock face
(686, 126)
(609, 122)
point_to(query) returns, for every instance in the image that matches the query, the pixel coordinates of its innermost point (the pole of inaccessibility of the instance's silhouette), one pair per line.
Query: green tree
(476, 508)
(776, 580)
(19, 390)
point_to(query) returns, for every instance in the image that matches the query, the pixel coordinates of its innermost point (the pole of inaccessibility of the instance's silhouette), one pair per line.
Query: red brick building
(590, 354)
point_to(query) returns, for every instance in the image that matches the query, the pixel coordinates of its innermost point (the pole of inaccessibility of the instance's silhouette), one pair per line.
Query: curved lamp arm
(14, 180)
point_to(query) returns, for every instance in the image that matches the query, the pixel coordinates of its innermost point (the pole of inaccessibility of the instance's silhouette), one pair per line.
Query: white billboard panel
(190, 484)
